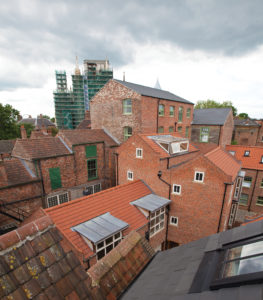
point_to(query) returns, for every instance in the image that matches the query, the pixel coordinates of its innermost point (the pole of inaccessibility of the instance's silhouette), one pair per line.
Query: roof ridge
(92, 195)
(213, 150)
(245, 146)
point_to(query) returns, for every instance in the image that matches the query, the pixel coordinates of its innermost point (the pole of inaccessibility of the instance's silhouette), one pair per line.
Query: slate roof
(211, 116)
(38, 122)
(83, 136)
(245, 122)
(158, 149)
(170, 274)
(16, 173)
(40, 148)
(115, 200)
(85, 124)
(253, 161)
(6, 146)
(225, 161)
(152, 92)
(34, 265)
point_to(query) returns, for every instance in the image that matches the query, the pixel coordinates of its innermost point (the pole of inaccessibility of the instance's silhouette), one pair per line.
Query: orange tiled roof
(39, 148)
(223, 160)
(115, 200)
(248, 162)
(156, 148)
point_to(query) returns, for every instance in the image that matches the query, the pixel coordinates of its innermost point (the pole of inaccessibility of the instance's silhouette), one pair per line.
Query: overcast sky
(199, 49)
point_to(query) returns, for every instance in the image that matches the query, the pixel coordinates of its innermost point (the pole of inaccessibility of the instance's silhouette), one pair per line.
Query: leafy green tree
(28, 127)
(54, 131)
(47, 117)
(243, 116)
(214, 104)
(8, 118)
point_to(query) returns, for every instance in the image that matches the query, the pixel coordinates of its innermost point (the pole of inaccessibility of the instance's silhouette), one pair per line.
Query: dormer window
(246, 153)
(171, 144)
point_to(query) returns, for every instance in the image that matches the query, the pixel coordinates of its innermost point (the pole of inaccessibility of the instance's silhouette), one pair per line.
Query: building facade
(251, 199)
(213, 125)
(204, 188)
(125, 109)
(246, 132)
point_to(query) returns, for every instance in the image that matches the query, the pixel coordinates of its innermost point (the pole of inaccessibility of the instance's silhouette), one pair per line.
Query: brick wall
(253, 191)
(214, 133)
(198, 208)
(260, 134)
(227, 131)
(107, 112)
(246, 135)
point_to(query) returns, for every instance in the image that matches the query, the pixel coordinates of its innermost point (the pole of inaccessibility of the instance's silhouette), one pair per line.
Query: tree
(28, 127)
(214, 104)
(8, 118)
(243, 116)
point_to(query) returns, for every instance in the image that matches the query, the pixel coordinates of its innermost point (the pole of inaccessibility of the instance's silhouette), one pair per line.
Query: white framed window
(199, 176)
(232, 152)
(157, 221)
(138, 152)
(105, 246)
(129, 175)
(247, 182)
(176, 189)
(127, 132)
(57, 199)
(174, 221)
(246, 153)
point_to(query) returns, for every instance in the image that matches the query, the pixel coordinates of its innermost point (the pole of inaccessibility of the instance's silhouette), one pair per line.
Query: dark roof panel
(101, 227)
(171, 273)
(245, 122)
(151, 202)
(152, 92)
(211, 116)
(6, 146)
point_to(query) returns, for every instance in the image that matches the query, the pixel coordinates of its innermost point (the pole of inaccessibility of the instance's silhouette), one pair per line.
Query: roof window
(246, 153)
(171, 144)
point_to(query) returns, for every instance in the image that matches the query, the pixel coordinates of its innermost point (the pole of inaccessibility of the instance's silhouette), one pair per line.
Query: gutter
(222, 207)
(252, 196)
(168, 208)
(157, 124)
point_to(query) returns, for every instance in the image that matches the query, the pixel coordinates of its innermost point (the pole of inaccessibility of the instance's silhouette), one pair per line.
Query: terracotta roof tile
(224, 161)
(253, 161)
(39, 148)
(159, 150)
(82, 136)
(115, 200)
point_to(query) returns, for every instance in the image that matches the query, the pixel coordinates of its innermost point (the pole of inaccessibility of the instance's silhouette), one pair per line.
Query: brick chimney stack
(23, 132)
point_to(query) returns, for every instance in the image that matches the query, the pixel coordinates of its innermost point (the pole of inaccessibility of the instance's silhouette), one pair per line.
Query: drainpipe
(167, 209)
(252, 196)
(220, 127)
(157, 115)
(42, 185)
(117, 168)
(222, 207)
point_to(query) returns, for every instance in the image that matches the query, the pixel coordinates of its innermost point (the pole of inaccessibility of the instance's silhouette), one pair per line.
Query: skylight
(171, 144)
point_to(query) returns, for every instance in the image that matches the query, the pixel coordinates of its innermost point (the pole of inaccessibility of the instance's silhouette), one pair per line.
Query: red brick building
(213, 125)
(125, 108)
(251, 199)
(204, 188)
(246, 132)
(20, 193)
(94, 225)
(50, 171)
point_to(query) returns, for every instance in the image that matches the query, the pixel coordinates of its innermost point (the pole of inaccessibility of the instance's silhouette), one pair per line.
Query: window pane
(180, 129)
(160, 130)
(243, 199)
(100, 254)
(92, 168)
(52, 201)
(171, 129)
(259, 200)
(161, 110)
(180, 114)
(188, 112)
(97, 188)
(127, 132)
(63, 198)
(109, 240)
(117, 235)
(245, 266)
(109, 248)
(100, 245)
(127, 107)
(245, 250)
(171, 112)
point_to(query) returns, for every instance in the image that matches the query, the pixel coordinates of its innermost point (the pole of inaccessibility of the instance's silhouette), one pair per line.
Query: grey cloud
(53, 31)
